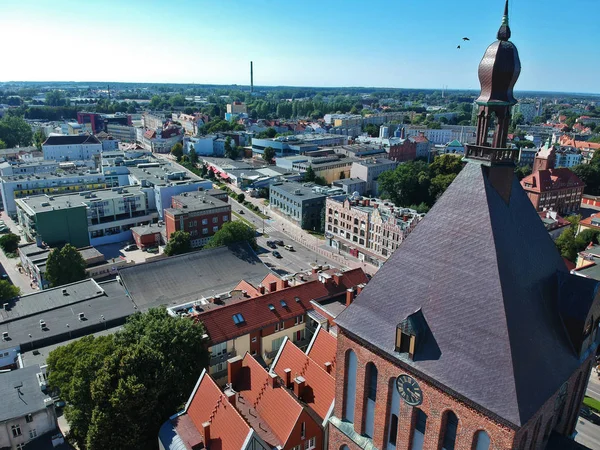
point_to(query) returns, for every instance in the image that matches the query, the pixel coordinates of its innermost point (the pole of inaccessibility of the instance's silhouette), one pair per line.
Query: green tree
(2, 144)
(56, 98)
(38, 139)
(232, 232)
(408, 184)
(241, 197)
(268, 154)
(439, 184)
(231, 151)
(192, 155)
(204, 171)
(8, 290)
(179, 242)
(372, 130)
(121, 388)
(14, 131)
(10, 242)
(310, 174)
(177, 151)
(65, 265)
(523, 171)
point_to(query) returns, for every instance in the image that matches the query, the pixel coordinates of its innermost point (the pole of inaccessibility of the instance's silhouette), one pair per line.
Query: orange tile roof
(256, 313)
(587, 222)
(228, 429)
(323, 349)
(568, 141)
(319, 390)
(551, 179)
(275, 405)
(270, 278)
(245, 286)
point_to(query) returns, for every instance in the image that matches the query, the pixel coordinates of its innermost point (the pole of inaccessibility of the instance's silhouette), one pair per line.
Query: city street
(588, 433)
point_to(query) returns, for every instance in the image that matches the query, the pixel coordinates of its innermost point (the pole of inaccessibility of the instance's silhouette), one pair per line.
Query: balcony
(214, 360)
(491, 155)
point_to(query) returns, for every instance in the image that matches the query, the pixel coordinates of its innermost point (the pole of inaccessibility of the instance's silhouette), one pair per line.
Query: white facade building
(71, 148)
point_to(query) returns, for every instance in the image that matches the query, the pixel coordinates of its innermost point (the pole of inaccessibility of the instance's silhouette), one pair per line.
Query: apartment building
(300, 204)
(86, 218)
(71, 148)
(370, 169)
(57, 182)
(197, 213)
(368, 229)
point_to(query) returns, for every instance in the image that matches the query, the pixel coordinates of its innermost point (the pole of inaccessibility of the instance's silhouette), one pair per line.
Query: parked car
(279, 242)
(590, 415)
(130, 247)
(152, 250)
(271, 244)
(276, 254)
(289, 248)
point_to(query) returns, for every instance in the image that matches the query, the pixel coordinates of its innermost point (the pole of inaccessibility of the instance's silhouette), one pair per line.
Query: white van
(289, 247)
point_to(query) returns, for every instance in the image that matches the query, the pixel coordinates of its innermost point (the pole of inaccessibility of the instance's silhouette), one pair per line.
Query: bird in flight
(466, 39)
(458, 47)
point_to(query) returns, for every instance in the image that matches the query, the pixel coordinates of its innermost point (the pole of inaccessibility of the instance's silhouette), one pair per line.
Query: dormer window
(409, 332)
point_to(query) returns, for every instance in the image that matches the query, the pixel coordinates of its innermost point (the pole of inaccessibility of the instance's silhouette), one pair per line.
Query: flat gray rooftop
(297, 190)
(163, 174)
(20, 393)
(179, 279)
(44, 203)
(56, 175)
(105, 310)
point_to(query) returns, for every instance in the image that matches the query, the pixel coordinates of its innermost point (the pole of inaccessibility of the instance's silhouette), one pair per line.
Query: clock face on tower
(409, 390)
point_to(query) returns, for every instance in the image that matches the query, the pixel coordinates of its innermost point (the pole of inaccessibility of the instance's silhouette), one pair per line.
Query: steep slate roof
(275, 405)
(319, 391)
(323, 349)
(550, 179)
(483, 273)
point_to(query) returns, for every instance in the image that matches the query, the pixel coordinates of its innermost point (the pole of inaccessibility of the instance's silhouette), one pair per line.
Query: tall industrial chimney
(251, 78)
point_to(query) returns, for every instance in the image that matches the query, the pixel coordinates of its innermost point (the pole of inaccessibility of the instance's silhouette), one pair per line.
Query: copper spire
(504, 31)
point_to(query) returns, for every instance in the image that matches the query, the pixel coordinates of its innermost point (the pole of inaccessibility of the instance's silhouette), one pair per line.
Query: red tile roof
(228, 429)
(587, 222)
(323, 349)
(275, 405)
(568, 141)
(245, 286)
(319, 391)
(552, 179)
(256, 313)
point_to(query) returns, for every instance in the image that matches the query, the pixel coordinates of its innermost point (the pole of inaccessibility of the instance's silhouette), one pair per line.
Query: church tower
(473, 335)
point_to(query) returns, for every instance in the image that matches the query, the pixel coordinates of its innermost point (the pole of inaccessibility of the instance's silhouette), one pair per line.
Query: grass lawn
(592, 403)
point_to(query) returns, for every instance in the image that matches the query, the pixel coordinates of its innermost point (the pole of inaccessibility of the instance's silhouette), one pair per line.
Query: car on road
(276, 254)
(130, 247)
(152, 250)
(587, 413)
(279, 242)
(289, 248)
(241, 211)
(271, 244)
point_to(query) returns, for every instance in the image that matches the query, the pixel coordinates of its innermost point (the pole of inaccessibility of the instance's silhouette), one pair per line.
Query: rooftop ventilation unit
(42, 324)
(81, 316)
(5, 306)
(64, 291)
(5, 335)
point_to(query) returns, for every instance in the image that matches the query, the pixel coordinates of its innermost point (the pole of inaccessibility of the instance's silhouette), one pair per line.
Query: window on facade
(482, 441)
(310, 444)
(418, 436)
(225, 218)
(298, 320)
(219, 349)
(16, 430)
(303, 430)
(393, 429)
(277, 343)
(371, 390)
(204, 221)
(21, 446)
(215, 229)
(204, 230)
(450, 431)
(215, 219)
(350, 384)
(28, 418)
(32, 433)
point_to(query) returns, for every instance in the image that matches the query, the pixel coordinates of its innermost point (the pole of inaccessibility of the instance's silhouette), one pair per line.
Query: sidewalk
(20, 280)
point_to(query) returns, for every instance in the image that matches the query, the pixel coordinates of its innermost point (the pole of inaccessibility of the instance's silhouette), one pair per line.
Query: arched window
(418, 436)
(536, 432)
(344, 447)
(482, 440)
(350, 397)
(449, 436)
(371, 393)
(393, 416)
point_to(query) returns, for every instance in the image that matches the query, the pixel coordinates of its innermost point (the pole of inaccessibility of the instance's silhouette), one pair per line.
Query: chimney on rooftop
(288, 378)
(230, 394)
(359, 288)
(234, 367)
(299, 383)
(261, 289)
(273, 380)
(328, 367)
(273, 286)
(285, 284)
(349, 296)
(206, 433)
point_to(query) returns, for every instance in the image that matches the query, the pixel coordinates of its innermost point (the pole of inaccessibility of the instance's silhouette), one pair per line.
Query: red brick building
(473, 335)
(197, 213)
(148, 236)
(404, 151)
(557, 189)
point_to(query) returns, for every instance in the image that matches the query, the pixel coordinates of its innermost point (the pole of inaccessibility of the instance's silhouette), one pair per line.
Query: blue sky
(400, 43)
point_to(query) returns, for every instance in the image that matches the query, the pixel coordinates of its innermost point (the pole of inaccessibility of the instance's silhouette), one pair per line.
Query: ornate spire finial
(504, 31)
